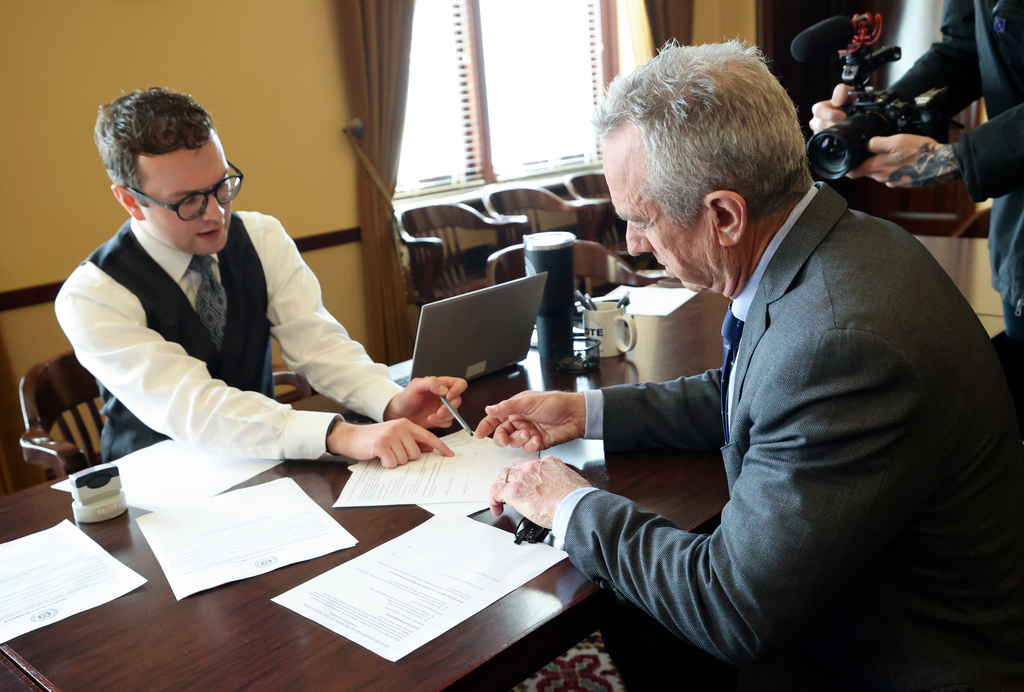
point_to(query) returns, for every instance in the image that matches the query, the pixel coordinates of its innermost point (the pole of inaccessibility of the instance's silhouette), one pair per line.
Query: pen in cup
(455, 413)
(585, 300)
(579, 298)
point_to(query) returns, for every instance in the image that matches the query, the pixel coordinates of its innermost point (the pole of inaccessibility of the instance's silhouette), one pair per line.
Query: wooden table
(966, 260)
(234, 637)
(13, 677)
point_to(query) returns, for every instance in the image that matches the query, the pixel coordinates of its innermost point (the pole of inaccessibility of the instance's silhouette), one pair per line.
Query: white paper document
(53, 574)
(404, 593)
(465, 477)
(239, 535)
(461, 509)
(169, 475)
(651, 300)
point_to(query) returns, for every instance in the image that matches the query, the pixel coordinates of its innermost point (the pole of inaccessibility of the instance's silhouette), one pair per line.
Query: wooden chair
(289, 386)
(436, 258)
(595, 218)
(56, 393)
(590, 261)
(588, 186)
(61, 394)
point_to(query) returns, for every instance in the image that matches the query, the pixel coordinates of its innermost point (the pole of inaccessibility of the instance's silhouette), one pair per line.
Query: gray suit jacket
(873, 538)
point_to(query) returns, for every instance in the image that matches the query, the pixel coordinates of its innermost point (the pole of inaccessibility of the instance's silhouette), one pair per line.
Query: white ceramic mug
(612, 327)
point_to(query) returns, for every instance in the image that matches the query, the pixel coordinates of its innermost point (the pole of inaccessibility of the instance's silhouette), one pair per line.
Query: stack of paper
(652, 300)
(404, 593)
(239, 535)
(433, 478)
(53, 574)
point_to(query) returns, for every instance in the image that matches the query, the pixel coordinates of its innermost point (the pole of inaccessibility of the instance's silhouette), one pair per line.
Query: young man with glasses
(174, 314)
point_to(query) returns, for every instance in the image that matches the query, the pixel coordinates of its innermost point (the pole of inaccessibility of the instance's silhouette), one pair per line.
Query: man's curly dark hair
(151, 122)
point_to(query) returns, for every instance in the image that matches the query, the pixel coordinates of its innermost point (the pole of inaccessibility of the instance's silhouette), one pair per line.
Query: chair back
(290, 387)
(590, 261)
(59, 394)
(524, 200)
(594, 218)
(588, 186)
(440, 267)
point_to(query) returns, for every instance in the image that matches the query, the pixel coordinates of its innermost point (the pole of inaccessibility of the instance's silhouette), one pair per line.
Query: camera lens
(829, 155)
(832, 153)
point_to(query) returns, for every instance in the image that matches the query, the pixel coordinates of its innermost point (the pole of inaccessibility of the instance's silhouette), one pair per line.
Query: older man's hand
(535, 420)
(535, 488)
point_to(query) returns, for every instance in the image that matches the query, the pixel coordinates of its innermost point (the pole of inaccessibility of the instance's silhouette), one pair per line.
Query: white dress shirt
(594, 399)
(173, 393)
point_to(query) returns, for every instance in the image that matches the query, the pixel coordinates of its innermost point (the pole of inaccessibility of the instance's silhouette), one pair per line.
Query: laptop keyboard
(403, 381)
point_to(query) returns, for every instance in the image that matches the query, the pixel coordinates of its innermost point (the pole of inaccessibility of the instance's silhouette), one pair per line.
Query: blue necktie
(732, 330)
(211, 301)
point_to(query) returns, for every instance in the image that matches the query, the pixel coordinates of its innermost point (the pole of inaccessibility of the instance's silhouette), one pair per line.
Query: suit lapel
(810, 229)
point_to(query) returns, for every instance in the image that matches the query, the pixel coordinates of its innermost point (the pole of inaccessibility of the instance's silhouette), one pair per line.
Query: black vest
(243, 362)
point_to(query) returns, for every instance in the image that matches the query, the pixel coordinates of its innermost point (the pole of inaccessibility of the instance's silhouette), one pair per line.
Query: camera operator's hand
(908, 161)
(827, 113)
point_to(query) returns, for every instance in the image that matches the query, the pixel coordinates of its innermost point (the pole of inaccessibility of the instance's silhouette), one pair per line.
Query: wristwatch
(330, 428)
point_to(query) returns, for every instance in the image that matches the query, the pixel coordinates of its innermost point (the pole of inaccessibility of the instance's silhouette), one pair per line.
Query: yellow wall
(714, 20)
(268, 71)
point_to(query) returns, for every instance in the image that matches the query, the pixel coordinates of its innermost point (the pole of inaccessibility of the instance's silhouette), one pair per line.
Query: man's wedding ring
(507, 471)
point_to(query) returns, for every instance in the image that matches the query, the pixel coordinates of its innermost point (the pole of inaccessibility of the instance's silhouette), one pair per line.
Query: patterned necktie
(732, 330)
(211, 301)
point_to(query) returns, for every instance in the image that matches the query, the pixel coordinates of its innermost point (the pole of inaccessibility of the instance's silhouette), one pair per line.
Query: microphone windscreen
(823, 39)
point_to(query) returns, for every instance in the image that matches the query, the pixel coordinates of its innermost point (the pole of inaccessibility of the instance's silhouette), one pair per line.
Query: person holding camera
(981, 54)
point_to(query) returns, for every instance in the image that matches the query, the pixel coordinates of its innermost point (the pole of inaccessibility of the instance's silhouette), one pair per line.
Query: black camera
(835, 151)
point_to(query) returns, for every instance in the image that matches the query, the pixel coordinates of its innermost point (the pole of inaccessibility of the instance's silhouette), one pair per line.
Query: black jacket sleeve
(953, 63)
(989, 157)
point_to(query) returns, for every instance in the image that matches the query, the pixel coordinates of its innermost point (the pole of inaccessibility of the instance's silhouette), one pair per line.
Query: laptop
(476, 333)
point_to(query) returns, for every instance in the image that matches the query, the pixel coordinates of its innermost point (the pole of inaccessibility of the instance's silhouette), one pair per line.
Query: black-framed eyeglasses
(530, 532)
(194, 205)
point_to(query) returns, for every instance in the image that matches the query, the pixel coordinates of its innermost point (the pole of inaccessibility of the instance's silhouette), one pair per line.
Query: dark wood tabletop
(233, 637)
(13, 677)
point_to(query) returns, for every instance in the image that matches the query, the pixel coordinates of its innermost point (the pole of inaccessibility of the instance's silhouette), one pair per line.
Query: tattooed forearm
(932, 164)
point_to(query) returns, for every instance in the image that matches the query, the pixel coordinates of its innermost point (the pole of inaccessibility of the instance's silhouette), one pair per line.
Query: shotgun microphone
(823, 39)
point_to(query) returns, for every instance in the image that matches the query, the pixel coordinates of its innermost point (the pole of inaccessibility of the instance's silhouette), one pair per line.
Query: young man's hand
(395, 442)
(420, 402)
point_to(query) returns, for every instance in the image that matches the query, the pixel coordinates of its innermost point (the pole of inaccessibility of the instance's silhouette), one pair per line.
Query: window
(500, 90)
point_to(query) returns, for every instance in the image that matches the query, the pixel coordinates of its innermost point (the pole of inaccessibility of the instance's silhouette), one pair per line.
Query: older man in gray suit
(873, 538)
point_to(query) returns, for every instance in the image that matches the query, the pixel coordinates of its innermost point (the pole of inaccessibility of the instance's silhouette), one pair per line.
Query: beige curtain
(670, 19)
(634, 34)
(375, 38)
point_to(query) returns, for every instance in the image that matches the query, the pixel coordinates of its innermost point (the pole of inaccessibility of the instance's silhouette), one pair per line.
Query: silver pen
(457, 416)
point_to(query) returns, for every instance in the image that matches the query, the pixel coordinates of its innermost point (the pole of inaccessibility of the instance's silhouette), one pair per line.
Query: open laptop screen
(476, 333)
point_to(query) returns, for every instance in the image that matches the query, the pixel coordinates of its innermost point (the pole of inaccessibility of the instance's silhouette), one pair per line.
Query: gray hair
(151, 122)
(711, 117)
